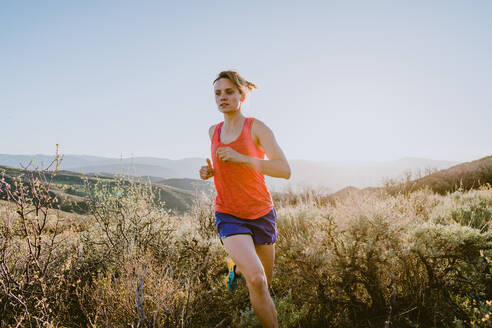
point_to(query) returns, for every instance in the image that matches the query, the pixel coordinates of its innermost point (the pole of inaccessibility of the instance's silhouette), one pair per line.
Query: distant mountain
(138, 166)
(69, 161)
(321, 175)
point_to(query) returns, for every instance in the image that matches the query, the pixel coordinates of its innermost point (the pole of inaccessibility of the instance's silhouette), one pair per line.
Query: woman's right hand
(206, 172)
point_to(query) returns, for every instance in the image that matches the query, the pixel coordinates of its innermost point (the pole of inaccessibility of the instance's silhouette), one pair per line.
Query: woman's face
(227, 96)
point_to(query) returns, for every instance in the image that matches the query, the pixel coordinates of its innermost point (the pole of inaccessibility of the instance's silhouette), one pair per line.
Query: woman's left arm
(276, 165)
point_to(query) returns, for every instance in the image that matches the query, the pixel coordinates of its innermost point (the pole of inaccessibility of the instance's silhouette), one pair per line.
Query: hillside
(69, 188)
(188, 184)
(134, 170)
(465, 176)
(353, 192)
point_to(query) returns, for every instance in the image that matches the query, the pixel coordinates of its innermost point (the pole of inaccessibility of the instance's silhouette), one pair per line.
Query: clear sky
(338, 80)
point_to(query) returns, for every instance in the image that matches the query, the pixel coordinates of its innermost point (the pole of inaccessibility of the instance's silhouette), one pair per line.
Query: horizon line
(339, 161)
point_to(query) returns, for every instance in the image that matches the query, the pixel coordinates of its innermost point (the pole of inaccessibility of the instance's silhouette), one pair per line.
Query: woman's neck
(234, 120)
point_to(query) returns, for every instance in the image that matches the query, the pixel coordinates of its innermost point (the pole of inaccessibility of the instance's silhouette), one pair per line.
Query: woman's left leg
(266, 253)
(241, 249)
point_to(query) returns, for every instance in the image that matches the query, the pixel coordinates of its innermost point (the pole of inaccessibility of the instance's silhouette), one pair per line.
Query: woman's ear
(243, 97)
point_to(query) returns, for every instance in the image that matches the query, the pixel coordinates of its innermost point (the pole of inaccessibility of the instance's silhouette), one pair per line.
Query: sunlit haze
(338, 81)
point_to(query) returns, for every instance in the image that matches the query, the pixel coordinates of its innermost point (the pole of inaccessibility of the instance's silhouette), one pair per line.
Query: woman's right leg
(242, 251)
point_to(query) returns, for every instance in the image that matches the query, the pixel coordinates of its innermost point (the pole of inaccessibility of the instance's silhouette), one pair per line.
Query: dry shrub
(374, 261)
(30, 251)
(203, 213)
(141, 292)
(306, 197)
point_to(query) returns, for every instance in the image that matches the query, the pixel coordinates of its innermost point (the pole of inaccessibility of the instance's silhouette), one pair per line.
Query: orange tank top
(241, 191)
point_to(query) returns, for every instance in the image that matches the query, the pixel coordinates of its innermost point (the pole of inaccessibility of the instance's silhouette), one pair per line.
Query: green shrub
(128, 218)
(479, 313)
(477, 215)
(289, 315)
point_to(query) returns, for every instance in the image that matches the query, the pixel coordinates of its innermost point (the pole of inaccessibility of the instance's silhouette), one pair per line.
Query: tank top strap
(249, 124)
(215, 136)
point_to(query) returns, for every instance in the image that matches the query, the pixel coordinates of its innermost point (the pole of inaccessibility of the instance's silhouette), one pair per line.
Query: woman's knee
(257, 281)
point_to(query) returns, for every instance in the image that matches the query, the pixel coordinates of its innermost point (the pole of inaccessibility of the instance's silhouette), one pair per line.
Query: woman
(245, 216)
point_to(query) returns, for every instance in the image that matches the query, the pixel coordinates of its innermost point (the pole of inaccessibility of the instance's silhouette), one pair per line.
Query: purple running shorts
(263, 230)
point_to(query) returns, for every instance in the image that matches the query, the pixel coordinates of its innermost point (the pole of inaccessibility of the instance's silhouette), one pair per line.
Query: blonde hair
(238, 80)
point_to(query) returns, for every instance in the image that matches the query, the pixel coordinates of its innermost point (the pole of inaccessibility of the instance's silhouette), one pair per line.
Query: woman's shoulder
(259, 131)
(258, 126)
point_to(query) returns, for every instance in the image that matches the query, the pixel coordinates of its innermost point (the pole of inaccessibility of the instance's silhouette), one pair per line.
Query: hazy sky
(338, 80)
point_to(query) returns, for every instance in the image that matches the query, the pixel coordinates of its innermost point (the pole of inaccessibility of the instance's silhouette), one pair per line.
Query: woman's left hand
(227, 154)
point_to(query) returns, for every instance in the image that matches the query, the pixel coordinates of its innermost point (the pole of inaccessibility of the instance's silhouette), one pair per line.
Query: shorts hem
(252, 237)
(238, 233)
